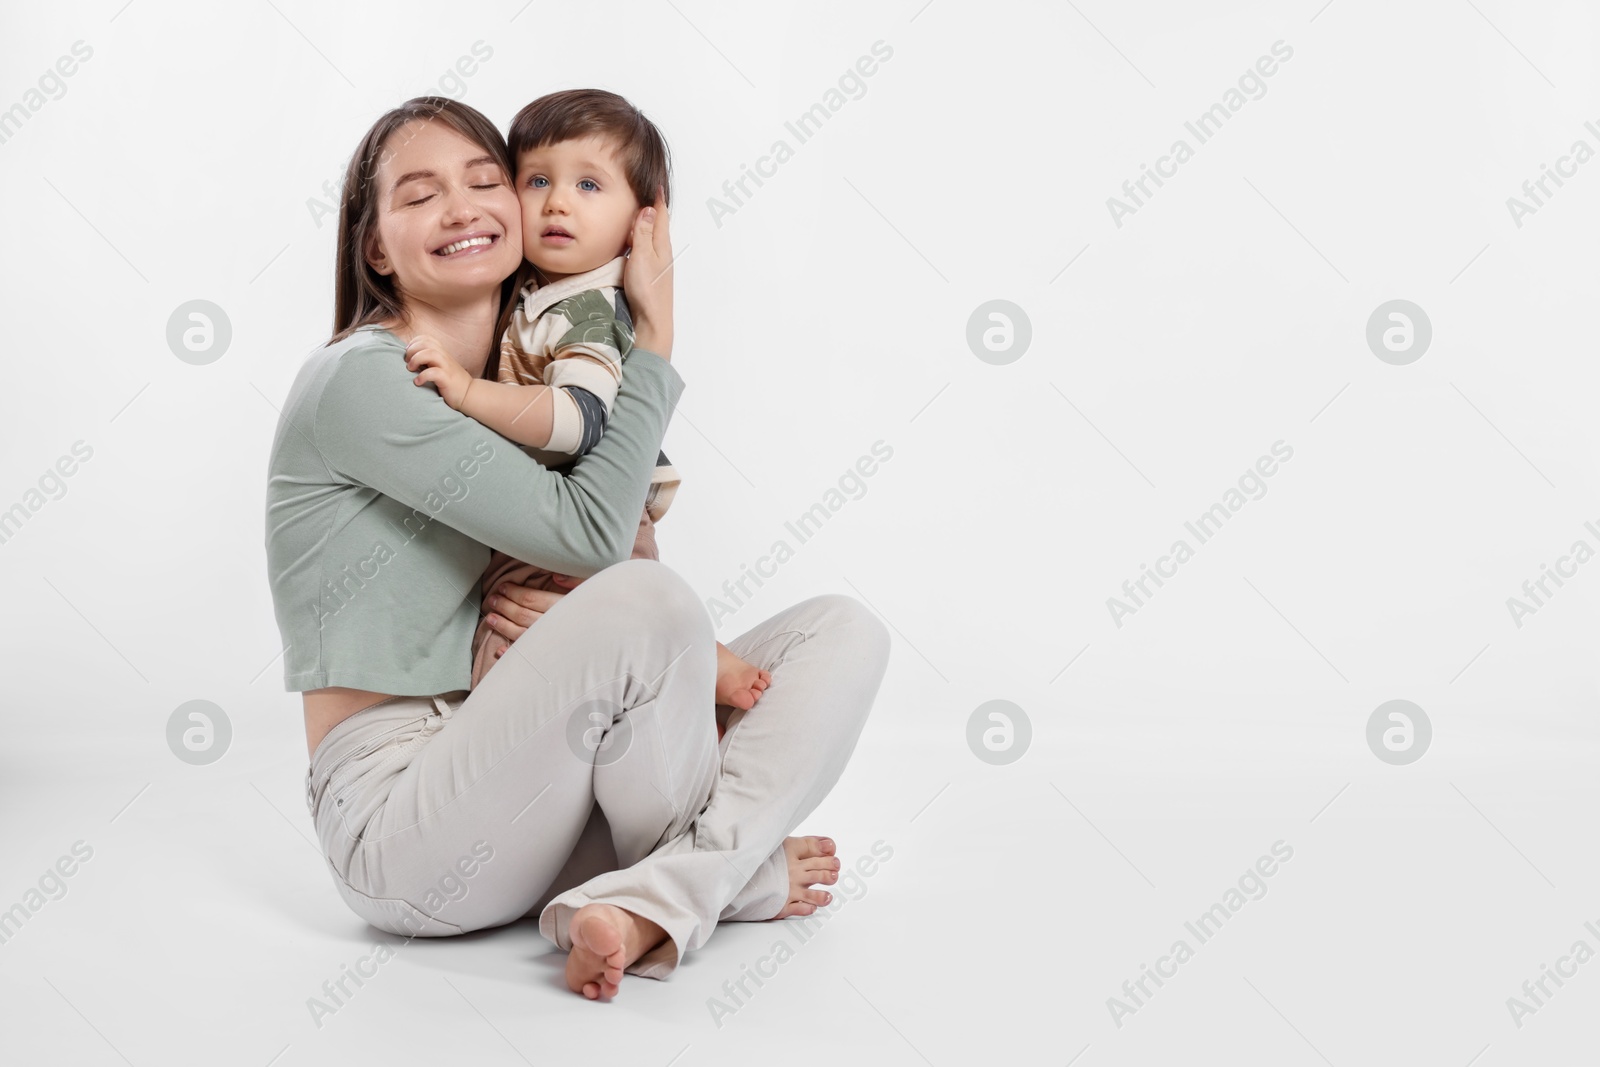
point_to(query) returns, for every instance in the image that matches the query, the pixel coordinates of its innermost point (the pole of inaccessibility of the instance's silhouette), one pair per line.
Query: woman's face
(449, 228)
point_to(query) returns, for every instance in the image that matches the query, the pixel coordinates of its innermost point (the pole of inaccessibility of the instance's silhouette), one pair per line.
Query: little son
(587, 161)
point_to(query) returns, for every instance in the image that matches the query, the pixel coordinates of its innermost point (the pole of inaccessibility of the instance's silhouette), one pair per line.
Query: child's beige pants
(445, 814)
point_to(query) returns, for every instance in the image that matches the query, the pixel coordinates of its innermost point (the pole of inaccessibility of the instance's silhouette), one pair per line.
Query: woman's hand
(647, 279)
(514, 608)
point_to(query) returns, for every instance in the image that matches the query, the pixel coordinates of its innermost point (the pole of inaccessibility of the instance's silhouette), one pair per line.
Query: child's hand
(739, 683)
(566, 581)
(443, 372)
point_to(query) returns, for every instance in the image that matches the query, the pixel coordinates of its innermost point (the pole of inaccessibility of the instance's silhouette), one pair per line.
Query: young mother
(442, 811)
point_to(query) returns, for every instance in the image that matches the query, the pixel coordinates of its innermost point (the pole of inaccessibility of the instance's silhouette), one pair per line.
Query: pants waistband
(440, 708)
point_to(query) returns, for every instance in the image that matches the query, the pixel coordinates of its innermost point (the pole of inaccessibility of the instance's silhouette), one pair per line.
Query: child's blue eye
(588, 185)
(538, 182)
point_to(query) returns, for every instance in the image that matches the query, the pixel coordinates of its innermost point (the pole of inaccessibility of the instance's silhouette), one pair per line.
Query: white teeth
(452, 249)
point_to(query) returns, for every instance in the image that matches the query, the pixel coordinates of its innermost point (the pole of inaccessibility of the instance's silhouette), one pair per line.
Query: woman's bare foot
(739, 684)
(605, 940)
(811, 860)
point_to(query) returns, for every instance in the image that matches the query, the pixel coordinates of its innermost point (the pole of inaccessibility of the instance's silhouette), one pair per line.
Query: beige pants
(445, 814)
(487, 642)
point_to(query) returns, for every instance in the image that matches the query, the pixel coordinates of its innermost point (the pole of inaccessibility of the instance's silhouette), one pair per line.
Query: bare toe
(804, 848)
(795, 907)
(827, 875)
(811, 860)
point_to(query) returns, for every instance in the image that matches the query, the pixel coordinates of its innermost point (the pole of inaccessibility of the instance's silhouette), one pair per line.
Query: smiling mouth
(459, 246)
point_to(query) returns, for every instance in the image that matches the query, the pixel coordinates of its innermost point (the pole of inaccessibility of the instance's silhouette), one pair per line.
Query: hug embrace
(512, 667)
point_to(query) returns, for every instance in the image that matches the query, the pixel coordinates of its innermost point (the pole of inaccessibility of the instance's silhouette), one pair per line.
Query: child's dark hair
(577, 113)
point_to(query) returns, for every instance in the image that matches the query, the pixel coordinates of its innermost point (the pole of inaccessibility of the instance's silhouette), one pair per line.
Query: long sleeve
(376, 428)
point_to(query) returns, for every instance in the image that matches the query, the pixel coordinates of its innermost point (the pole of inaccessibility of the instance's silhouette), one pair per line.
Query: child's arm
(532, 415)
(523, 413)
(584, 338)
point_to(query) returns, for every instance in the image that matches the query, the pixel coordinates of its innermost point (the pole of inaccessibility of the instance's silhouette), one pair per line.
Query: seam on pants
(655, 694)
(733, 734)
(804, 635)
(339, 781)
(661, 750)
(655, 683)
(699, 844)
(368, 898)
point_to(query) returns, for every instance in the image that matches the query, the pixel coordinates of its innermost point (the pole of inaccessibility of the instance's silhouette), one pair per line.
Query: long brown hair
(362, 296)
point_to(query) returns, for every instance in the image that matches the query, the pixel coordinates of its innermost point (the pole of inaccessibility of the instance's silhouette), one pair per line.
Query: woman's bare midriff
(327, 708)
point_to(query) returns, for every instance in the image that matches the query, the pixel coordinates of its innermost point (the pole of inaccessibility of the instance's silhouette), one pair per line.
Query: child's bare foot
(811, 860)
(739, 684)
(605, 940)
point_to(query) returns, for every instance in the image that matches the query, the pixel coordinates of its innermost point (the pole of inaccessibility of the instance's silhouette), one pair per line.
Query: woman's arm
(644, 547)
(375, 428)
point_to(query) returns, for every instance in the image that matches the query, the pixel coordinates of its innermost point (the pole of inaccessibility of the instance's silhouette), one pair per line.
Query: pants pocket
(355, 784)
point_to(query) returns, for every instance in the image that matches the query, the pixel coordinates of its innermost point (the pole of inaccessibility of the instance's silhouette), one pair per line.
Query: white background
(830, 311)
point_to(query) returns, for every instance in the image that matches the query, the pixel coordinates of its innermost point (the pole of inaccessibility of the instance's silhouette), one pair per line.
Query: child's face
(577, 208)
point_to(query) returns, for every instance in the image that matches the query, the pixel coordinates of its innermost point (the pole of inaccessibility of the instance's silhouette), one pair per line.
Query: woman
(441, 811)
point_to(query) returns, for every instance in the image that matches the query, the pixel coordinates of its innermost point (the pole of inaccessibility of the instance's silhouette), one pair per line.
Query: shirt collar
(535, 301)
